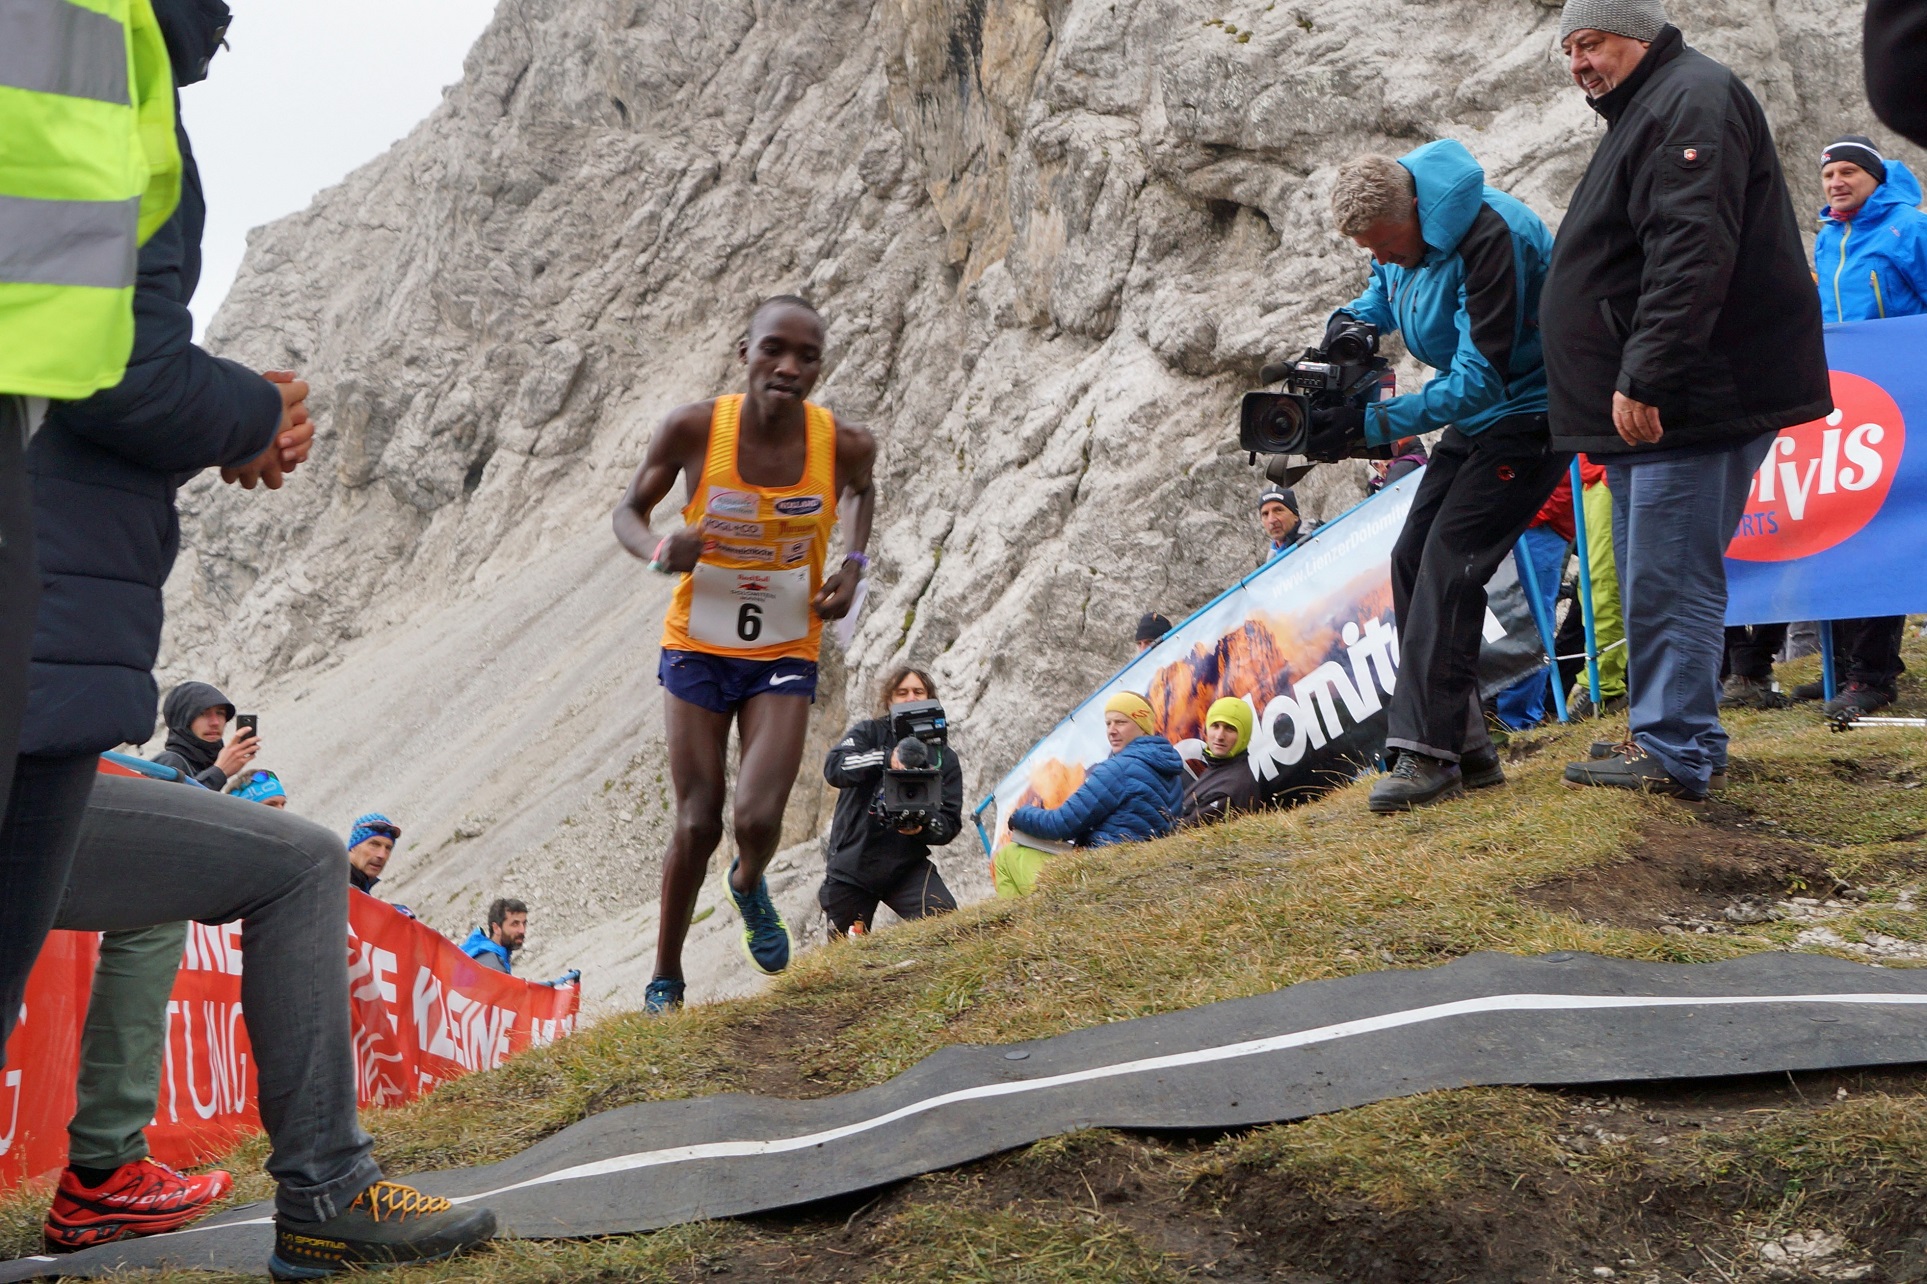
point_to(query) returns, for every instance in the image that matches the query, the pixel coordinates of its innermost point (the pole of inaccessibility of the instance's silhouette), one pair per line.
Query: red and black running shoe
(142, 1198)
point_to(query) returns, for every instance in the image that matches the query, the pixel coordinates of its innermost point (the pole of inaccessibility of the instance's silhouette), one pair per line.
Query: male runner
(763, 471)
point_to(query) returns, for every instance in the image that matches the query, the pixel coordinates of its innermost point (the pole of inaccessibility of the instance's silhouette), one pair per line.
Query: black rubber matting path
(1312, 1048)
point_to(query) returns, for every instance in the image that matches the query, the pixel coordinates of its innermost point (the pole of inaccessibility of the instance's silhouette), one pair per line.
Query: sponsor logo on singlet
(800, 505)
(731, 503)
(740, 552)
(740, 530)
(793, 551)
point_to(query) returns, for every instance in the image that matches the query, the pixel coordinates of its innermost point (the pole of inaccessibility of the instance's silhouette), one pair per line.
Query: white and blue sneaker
(766, 938)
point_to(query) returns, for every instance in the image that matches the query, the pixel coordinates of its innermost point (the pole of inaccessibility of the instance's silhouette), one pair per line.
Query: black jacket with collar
(1679, 276)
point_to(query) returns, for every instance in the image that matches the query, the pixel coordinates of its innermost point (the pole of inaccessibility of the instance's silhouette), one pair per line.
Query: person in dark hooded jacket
(95, 853)
(196, 715)
(1682, 331)
(1227, 785)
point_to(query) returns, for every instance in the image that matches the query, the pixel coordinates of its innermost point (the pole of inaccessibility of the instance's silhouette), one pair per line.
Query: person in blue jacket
(494, 945)
(1135, 794)
(1457, 270)
(1870, 255)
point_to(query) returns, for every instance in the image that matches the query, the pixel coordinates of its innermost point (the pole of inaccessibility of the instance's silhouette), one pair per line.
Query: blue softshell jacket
(478, 944)
(1874, 264)
(1470, 310)
(1134, 794)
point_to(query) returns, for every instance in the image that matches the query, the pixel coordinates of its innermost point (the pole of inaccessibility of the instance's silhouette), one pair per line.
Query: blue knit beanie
(261, 786)
(368, 826)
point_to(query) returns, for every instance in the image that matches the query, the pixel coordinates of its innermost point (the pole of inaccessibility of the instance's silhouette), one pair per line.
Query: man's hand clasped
(292, 439)
(1335, 433)
(1636, 422)
(678, 554)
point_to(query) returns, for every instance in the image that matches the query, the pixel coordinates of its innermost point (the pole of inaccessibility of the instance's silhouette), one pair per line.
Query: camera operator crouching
(902, 794)
(1457, 271)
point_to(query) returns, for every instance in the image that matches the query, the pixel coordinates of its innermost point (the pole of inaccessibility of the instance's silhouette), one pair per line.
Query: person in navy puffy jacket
(1133, 795)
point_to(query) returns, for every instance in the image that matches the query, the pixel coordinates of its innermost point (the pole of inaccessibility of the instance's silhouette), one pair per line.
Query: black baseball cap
(1151, 627)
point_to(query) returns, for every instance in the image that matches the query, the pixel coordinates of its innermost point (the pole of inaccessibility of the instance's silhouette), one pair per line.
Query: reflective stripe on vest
(53, 47)
(69, 242)
(89, 169)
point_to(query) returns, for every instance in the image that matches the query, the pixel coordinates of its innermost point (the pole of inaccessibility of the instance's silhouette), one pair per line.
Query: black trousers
(1750, 649)
(917, 893)
(19, 585)
(1477, 497)
(45, 806)
(1868, 651)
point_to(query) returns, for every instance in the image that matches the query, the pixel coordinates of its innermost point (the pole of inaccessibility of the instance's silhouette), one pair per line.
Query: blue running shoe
(663, 996)
(766, 937)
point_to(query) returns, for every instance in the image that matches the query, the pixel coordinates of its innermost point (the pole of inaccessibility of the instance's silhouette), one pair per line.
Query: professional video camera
(913, 793)
(1347, 371)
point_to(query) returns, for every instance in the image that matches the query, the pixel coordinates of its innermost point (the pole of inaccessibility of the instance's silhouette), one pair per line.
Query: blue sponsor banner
(1836, 521)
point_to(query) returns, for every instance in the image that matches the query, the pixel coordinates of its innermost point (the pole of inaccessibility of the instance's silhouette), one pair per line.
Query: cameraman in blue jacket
(1456, 271)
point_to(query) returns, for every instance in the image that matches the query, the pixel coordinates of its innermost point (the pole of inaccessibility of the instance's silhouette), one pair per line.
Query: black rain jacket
(1895, 51)
(1679, 276)
(863, 853)
(186, 752)
(105, 470)
(1225, 789)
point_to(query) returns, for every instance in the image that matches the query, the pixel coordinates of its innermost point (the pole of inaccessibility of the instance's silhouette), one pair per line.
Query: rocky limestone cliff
(1054, 240)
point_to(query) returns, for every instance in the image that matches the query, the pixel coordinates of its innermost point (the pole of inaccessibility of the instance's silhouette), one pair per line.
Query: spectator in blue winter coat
(494, 945)
(1871, 257)
(1134, 795)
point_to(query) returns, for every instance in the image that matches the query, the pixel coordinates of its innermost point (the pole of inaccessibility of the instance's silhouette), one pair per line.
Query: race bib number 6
(742, 609)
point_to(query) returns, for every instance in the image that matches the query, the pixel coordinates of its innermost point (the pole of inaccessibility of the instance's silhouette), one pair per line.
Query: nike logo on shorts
(780, 679)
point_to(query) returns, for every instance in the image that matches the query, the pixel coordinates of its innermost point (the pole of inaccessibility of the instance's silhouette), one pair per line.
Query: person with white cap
(1681, 333)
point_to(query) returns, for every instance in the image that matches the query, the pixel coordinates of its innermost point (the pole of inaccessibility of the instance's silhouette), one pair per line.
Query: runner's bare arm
(677, 449)
(856, 452)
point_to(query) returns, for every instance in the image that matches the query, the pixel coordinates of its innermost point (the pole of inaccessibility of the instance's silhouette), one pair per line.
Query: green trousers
(1609, 622)
(1014, 870)
(122, 1045)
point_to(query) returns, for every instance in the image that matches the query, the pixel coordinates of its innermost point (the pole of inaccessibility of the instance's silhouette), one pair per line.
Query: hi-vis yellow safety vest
(89, 169)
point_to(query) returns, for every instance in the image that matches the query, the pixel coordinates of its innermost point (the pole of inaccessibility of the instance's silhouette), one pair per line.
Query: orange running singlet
(763, 550)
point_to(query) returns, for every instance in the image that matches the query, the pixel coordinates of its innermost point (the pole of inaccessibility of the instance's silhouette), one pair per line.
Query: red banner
(424, 1013)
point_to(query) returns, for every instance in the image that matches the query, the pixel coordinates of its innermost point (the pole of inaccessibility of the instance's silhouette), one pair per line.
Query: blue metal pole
(1585, 583)
(1524, 558)
(977, 819)
(1826, 658)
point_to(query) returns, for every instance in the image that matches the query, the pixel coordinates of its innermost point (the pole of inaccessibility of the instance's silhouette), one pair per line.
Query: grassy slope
(1475, 1184)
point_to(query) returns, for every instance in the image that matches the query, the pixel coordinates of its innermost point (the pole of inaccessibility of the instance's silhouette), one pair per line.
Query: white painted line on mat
(1143, 1065)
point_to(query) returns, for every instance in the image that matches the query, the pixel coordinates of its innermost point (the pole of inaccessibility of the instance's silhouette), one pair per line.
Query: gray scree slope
(1055, 239)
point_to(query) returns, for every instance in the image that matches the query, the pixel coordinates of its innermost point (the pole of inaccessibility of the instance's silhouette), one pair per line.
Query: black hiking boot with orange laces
(389, 1224)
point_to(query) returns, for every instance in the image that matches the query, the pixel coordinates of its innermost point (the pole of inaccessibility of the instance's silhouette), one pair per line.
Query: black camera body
(1346, 371)
(912, 794)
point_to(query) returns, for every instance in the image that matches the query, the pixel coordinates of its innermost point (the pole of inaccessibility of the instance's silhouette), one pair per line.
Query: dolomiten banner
(1836, 518)
(424, 1013)
(1307, 641)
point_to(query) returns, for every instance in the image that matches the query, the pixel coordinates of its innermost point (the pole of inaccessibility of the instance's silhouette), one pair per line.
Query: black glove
(1336, 432)
(1338, 321)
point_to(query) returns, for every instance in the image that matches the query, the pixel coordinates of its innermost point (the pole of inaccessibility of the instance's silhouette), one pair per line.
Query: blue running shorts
(722, 685)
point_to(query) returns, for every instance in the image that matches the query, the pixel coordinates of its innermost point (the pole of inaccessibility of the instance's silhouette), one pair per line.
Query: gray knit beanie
(1635, 19)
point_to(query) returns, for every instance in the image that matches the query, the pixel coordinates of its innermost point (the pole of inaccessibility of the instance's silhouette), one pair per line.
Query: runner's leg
(773, 728)
(698, 741)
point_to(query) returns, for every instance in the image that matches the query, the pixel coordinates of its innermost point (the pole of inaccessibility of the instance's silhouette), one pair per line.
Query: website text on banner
(424, 1013)
(1837, 517)
(1308, 642)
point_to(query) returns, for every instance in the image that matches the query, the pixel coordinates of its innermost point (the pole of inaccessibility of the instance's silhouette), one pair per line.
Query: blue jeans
(1673, 516)
(1523, 704)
